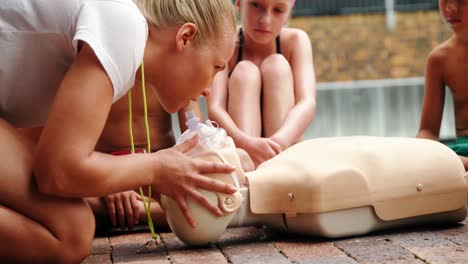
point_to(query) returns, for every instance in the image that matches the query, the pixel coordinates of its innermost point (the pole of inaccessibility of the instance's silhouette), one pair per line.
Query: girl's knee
(275, 65)
(245, 72)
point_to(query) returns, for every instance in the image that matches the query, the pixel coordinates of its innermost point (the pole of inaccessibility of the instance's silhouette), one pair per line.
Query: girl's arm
(434, 98)
(301, 115)
(67, 165)
(217, 108)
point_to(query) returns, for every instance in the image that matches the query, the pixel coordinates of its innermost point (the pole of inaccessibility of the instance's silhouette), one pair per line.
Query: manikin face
(262, 20)
(189, 72)
(455, 13)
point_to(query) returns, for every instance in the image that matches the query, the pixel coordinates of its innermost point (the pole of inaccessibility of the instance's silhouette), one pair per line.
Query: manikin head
(208, 227)
(188, 43)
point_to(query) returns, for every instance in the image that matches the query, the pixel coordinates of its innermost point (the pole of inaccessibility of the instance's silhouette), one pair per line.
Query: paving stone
(249, 248)
(101, 245)
(242, 235)
(432, 246)
(442, 254)
(98, 259)
(376, 250)
(420, 239)
(181, 253)
(328, 260)
(458, 234)
(274, 258)
(307, 252)
(124, 250)
(257, 252)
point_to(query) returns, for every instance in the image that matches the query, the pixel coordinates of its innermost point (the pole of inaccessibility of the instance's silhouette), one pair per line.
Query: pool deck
(430, 244)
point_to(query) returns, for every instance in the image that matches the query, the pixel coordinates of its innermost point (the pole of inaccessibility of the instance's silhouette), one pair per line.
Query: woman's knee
(277, 66)
(76, 234)
(245, 72)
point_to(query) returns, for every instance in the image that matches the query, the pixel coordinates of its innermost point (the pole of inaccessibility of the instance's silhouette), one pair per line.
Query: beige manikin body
(334, 187)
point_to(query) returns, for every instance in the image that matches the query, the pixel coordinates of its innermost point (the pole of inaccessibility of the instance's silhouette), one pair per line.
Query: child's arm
(259, 149)
(301, 115)
(434, 97)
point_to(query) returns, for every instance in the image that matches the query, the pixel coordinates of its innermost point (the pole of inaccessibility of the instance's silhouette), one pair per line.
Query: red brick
(98, 259)
(442, 254)
(432, 247)
(181, 253)
(317, 251)
(242, 234)
(124, 249)
(376, 250)
(101, 245)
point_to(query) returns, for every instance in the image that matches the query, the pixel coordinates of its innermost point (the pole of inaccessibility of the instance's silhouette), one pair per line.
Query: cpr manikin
(331, 187)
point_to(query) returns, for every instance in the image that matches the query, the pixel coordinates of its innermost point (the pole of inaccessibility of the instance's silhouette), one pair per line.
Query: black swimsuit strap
(241, 46)
(278, 45)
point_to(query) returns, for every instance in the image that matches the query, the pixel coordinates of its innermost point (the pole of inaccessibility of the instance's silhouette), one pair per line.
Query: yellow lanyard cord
(146, 202)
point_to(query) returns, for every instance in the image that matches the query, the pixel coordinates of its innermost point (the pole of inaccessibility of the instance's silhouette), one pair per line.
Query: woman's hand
(179, 176)
(123, 208)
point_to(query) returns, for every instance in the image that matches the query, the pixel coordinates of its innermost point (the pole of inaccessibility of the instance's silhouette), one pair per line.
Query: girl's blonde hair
(210, 16)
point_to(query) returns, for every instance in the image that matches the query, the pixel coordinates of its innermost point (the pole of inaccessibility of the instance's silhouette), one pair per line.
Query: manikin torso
(332, 187)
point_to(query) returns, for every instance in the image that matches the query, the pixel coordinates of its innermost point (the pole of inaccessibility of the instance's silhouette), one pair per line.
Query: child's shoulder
(440, 53)
(294, 34)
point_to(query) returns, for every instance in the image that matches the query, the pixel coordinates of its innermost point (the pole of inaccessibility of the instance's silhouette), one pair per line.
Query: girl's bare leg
(278, 92)
(244, 88)
(35, 227)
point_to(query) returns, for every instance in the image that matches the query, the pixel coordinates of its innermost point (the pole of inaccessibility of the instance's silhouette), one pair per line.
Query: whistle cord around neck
(146, 202)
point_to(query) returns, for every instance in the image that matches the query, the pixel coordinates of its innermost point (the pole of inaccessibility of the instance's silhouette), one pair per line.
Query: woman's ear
(186, 35)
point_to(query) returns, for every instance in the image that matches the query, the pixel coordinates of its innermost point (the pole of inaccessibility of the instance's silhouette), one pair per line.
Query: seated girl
(265, 96)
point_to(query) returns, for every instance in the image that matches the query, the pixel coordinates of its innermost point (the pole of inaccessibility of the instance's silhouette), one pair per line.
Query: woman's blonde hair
(210, 16)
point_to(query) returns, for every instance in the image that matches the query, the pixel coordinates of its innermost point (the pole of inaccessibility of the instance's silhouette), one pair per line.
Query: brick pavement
(441, 244)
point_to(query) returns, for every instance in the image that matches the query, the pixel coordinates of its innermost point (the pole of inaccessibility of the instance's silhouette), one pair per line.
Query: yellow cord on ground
(146, 202)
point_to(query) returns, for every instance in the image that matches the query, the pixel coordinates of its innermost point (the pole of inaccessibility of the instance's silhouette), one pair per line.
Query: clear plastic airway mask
(211, 136)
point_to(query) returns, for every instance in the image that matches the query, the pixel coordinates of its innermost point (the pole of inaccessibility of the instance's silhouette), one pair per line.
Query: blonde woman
(63, 65)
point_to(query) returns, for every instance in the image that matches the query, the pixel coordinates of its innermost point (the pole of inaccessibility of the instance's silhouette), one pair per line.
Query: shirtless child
(447, 65)
(126, 209)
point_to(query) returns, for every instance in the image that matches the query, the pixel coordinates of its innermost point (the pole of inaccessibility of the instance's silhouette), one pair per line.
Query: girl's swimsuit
(241, 46)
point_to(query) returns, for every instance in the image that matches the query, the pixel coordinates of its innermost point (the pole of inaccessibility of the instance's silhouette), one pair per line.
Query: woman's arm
(300, 116)
(434, 98)
(67, 165)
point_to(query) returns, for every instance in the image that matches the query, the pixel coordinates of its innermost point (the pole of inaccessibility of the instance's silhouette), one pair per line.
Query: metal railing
(334, 7)
(387, 108)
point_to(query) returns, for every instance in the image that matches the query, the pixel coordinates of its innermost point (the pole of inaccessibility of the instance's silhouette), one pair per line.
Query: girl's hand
(123, 208)
(179, 176)
(261, 149)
